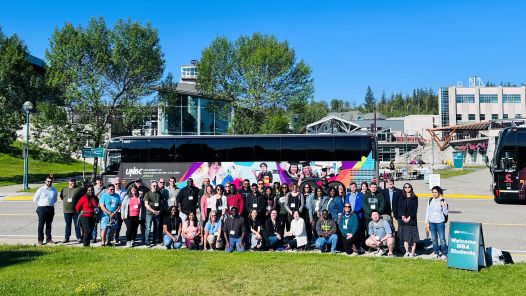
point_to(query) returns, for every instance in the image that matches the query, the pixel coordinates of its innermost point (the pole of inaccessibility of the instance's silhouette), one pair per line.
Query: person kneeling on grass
(234, 230)
(349, 228)
(192, 232)
(172, 228)
(213, 240)
(254, 230)
(273, 232)
(326, 229)
(380, 235)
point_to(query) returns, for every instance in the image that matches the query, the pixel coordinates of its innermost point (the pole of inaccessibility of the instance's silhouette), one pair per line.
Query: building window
(482, 117)
(511, 98)
(518, 115)
(471, 117)
(465, 98)
(494, 116)
(444, 106)
(488, 98)
(505, 116)
(459, 117)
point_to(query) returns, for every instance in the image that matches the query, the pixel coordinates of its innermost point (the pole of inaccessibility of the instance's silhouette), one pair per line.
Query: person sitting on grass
(326, 229)
(213, 234)
(273, 232)
(192, 231)
(380, 235)
(349, 230)
(296, 237)
(254, 230)
(234, 230)
(172, 228)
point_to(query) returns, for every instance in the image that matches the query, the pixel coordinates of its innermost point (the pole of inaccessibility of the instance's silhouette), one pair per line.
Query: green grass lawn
(13, 167)
(444, 174)
(28, 270)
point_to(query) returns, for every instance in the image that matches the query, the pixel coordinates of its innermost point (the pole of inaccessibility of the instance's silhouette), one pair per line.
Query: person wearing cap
(70, 195)
(349, 230)
(187, 199)
(110, 204)
(326, 229)
(45, 199)
(172, 229)
(152, 202)
(234, 231)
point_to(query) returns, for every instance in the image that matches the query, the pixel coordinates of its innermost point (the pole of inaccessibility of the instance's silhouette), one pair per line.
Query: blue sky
(391, 45)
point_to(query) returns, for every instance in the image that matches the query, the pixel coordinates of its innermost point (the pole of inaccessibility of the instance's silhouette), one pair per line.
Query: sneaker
(50, 241)
(380, 253)
(413, 255)
(79, 241)
(109, 244)
(333, 252)
(40, 243)
(128, 244)
(443, 257)
(94, 240)
(353, 254)
(435, 256)
(65, 241)
(406, 254)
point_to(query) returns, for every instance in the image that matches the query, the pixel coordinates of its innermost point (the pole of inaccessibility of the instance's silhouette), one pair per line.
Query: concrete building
(476, 103)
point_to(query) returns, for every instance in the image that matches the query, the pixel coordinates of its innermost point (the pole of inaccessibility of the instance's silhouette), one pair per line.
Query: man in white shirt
(45, 199)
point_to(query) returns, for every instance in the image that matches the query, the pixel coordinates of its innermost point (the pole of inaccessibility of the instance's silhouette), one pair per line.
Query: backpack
(495, 256)
(445, 216)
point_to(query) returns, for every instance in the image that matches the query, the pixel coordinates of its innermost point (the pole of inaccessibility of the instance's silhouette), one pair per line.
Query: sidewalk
(11, 192)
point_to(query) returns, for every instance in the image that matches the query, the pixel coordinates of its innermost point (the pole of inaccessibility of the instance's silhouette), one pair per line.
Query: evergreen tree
(369, 100)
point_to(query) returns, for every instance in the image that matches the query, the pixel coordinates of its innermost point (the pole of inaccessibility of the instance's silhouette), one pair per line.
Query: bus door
(507, 177)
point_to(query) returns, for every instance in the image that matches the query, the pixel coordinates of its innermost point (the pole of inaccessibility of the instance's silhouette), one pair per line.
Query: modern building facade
(460, 105)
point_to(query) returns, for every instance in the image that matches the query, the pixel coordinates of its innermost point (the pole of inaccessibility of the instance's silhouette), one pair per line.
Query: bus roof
(354, 134)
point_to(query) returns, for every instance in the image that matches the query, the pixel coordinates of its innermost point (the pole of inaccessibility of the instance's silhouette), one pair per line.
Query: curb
(18, 198)
(456, 195)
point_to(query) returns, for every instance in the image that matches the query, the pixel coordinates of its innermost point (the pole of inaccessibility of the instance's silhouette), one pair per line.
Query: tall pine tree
(369, 100)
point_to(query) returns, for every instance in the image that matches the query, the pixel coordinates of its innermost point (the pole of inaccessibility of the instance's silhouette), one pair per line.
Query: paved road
(503, 225)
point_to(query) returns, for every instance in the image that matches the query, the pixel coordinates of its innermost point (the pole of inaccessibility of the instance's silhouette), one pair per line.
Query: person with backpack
(436, 219)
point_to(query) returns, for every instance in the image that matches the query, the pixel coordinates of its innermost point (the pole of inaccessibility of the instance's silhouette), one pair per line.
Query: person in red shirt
(87, 206)
(235, 199)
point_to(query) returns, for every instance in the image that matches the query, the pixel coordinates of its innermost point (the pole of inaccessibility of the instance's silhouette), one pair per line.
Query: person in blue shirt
(334, 205)
(213, 240)
(110, 204)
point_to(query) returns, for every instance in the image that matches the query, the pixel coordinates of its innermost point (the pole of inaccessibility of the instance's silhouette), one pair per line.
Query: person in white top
(296, 237)
(45, 199)
(218, 201)
(436, 213)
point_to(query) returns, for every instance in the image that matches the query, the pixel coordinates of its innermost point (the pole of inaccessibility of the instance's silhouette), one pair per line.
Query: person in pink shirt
(206, 204)
(192, 232)
(131, 210)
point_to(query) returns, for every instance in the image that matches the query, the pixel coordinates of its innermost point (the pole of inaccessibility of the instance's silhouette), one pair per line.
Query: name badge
(190, 198)
(172, 199)
(112, 203)
(70, 200)
(373, 207)
(156, 204)
(345, 226)
(292, 205)
(232, 232)
(136, 206)
(174, 232)
(377, 237)
(255, 205)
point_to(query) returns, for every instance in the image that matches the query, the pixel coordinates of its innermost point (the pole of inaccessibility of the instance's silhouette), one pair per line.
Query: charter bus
(508, 166)
(271, 158)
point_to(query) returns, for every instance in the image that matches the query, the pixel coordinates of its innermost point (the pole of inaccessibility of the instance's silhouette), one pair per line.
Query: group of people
(252, 217)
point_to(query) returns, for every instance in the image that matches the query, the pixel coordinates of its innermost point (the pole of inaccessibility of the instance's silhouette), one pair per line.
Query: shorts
(105, 222)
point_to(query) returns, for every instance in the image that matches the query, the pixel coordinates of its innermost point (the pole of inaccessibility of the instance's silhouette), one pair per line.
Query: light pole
(26, 107)
(295, 117)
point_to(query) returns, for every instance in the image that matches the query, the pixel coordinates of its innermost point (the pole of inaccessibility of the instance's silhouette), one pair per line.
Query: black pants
(119, 225)
(284, 218)
(349, 243)
(131, 227)
(87, 228)
(45, 217)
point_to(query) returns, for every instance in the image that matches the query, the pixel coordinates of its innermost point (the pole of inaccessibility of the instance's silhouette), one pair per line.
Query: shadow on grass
(13, 257)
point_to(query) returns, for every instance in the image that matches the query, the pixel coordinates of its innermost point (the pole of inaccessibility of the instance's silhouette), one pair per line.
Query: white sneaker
(435, 256)
(443, 257)
(354, 254)
(406, 254)
(128, 244)
(380, 253)
(413, 255)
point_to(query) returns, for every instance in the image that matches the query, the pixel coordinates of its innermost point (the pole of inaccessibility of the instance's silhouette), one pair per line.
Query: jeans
(274, 242)
(438, 231)
(169, 243)
(155, 219)
(237, 243)
(68, 217)
(332, 240)
(45, 218)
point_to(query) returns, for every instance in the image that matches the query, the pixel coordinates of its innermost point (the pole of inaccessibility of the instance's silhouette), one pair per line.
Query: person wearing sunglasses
(110, 203)
(219, 202)
(408, 229)
(213, 235)
(349, 230)
(45, 199)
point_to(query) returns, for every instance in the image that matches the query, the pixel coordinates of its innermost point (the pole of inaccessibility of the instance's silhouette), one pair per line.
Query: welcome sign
(466, 246)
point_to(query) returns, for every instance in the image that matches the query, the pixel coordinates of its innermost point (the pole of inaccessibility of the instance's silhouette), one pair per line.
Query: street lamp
(26, 107)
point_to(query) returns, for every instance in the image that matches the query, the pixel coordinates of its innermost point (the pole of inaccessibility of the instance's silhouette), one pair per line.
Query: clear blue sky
(390, 45)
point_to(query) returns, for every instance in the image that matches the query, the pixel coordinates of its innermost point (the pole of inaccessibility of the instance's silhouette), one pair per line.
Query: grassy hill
(61, 270)
(40, 165)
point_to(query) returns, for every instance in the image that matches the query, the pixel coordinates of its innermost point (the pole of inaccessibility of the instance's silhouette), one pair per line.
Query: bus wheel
(498, 200)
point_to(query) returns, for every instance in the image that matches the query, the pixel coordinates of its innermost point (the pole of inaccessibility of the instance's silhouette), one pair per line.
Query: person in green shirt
(70, 195)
